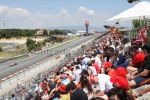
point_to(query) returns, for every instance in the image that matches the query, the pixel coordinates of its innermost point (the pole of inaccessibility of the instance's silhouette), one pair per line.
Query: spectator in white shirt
(85, 61)
(104, 84)
(92, 68)
(76, 74)
(98, 60)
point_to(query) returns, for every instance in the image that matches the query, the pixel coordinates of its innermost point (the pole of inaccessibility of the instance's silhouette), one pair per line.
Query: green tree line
(139, 22)
(9, 33)
(57, 32)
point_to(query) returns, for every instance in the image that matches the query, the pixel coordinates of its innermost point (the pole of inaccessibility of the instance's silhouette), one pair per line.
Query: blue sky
(47, 13)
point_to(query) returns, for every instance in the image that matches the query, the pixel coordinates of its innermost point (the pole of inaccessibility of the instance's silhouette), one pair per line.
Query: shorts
(139, 79)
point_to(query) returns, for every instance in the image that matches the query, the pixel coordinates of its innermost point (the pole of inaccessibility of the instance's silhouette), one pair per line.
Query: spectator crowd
(109, 70)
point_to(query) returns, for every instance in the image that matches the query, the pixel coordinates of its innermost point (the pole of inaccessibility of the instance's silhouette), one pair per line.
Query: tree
(38, 46)
(57, 32)
(45, 33)
(1, 49)
(139, 23)
(136, 23)
(51, 32)
(31, 45)
(9, 33)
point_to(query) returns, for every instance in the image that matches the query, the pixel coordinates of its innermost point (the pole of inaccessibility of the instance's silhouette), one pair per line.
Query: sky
(49, 13)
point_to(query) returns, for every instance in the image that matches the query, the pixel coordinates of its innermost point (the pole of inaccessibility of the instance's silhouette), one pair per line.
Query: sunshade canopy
(141, 9)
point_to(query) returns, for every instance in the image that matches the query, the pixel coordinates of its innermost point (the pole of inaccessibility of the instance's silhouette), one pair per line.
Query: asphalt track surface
(6, 69)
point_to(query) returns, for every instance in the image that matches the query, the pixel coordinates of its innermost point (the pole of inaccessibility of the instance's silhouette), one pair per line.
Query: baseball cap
(62, 88)
(107, 64)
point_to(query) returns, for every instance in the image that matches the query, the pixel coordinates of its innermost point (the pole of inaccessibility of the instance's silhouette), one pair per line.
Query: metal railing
(132, 33)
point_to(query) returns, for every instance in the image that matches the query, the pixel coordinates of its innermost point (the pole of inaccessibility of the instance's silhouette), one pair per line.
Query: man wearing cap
(144, 72)
(138, 59)
(104, 81)
(108, 69)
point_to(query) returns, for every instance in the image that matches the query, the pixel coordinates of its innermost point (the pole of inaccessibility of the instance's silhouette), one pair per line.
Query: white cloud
(63, 13)
(40, 19)
(13, 11)
(84, 10)
(23, 18)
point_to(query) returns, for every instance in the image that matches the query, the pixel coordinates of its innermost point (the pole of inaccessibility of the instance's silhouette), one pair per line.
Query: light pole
(86, 26)
(4, 25)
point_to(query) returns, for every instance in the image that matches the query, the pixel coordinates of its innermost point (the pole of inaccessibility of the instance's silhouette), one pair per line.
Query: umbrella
(141, 9)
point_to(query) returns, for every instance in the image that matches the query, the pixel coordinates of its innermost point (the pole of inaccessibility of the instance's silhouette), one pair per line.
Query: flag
(142, 35)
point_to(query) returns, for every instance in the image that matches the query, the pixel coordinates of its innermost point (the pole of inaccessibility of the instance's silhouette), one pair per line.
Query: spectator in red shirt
(108, 68)
(118, 76)
(137, 59)
(143, 73)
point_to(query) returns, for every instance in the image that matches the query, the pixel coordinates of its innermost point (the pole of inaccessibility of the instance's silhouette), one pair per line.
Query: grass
(4, 55)
(11, 54)
(3, 44)
(7, 54)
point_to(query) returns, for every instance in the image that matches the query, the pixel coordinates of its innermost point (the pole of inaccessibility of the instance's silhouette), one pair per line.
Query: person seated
(108, 68)
(142, 73)
(86, 86)
(117, 76)
(137, 59)
(76, 93)
(97, 67)
(76, 74)
(64, 95)
(92, 68)
(119, 79)
(117, 94)
(104, 84)
(123, 61)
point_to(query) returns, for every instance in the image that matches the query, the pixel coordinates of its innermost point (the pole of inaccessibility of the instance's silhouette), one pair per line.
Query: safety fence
(25, 86)
(133, 33)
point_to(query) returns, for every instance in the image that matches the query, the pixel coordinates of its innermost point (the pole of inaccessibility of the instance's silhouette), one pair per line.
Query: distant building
(81, 33)
(71, 34)
(39, 31)
(93, 32)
